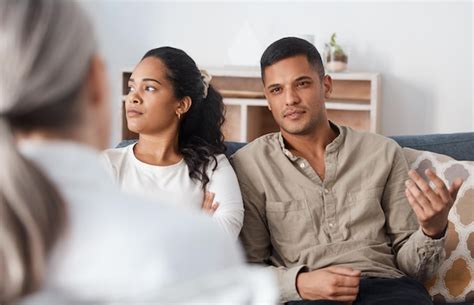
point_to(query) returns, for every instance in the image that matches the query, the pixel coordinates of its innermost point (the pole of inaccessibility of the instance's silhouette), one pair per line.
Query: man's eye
(150, 88)
(275, 90)
(130, 89)
(303, 84)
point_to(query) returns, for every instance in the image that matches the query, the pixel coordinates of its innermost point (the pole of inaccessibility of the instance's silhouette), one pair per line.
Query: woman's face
(151, 105)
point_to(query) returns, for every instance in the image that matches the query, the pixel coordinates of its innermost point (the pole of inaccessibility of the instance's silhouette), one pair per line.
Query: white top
(172, 184)
(121, 249)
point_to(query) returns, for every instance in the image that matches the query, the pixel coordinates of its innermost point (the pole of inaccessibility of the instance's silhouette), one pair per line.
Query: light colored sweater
(121, 249)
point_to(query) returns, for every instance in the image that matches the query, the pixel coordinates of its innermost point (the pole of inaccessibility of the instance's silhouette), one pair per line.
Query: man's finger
(431, 197)
(455, 186)
(441, 189)
(419, 196)
(417, 208)
(344, 271)
(347, 281)
(345, 298)
(347, 291)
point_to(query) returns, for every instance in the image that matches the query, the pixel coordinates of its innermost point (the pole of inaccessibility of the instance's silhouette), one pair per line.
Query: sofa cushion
(454, 281)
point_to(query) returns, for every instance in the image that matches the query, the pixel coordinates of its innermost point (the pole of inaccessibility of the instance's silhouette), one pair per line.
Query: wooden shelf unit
(355, 102)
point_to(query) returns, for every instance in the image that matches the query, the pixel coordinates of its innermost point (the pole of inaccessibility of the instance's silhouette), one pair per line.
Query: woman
(179, 154)
(67, 236)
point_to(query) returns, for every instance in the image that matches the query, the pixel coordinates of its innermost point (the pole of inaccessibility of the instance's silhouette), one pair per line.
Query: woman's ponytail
(45, 48)
(32, 217)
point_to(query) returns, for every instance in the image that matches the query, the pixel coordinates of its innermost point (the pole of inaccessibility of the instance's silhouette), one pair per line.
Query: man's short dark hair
(289, 47)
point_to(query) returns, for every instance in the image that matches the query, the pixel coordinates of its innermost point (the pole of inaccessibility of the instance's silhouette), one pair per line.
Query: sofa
(449, 155)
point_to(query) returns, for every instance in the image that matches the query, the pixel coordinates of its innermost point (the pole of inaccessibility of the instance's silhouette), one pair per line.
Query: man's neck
(311, 145)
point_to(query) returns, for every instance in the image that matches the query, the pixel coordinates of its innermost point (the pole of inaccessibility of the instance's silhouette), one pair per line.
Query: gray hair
(45, 52)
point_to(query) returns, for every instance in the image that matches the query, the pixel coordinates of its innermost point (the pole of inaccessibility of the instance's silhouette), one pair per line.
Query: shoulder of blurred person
(123, 247)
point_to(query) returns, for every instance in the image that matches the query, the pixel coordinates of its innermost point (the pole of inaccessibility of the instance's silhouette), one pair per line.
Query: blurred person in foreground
(67, 234)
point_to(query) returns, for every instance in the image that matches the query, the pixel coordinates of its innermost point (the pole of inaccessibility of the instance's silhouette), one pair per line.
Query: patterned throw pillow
(454, 281)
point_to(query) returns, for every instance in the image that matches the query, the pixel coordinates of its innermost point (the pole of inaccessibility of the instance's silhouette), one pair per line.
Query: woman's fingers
(208, 204)
(208, 200)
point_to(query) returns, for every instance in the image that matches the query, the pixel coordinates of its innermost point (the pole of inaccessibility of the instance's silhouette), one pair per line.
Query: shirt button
(326, 191)
(302, 165)
(331, 224)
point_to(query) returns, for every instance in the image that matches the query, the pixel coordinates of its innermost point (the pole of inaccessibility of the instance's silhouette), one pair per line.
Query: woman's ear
(184, 105)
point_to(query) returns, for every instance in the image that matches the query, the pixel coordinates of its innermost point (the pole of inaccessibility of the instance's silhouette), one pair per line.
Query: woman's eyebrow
(145, 79)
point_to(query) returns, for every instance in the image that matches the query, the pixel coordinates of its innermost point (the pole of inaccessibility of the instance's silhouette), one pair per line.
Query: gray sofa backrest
(459, 146)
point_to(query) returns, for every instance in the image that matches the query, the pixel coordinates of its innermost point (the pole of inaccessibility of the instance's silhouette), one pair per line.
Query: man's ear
(327, 86)
(184, 105)
(266, 97)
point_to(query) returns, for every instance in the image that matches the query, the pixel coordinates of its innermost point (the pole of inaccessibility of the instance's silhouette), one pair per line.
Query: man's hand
(431, 205)
(331, 283)
(208, 204)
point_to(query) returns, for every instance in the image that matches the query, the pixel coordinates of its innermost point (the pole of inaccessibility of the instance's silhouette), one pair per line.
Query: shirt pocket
(367, 217)
(291, 228)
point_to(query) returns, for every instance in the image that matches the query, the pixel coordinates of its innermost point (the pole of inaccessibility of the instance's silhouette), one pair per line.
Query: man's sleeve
(417, 255)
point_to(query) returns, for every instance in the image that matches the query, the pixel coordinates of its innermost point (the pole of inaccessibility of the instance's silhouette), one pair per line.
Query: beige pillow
(454, 281)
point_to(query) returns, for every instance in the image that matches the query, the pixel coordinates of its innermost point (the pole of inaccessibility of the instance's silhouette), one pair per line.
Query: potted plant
(336, 58)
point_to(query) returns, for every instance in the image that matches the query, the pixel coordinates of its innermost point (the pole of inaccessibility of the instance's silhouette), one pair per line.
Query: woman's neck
(157, 150)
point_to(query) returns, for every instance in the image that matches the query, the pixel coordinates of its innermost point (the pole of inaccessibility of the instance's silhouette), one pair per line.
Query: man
(325, 206)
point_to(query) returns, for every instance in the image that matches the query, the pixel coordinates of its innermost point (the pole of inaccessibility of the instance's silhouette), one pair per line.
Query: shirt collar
(334, 145)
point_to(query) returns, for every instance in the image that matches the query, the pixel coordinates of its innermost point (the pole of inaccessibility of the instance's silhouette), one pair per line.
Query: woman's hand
(208, 204)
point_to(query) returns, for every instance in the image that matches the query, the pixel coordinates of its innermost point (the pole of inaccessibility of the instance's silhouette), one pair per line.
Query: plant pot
(335, 59)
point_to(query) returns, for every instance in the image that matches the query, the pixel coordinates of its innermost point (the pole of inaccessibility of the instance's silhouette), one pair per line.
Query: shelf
(254, 72)
(245, 101)
(355, 102)
(241, 94)
(348, 106)
(329, 105)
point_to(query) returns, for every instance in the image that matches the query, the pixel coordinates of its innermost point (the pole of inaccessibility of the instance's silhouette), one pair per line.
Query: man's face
(295, 95)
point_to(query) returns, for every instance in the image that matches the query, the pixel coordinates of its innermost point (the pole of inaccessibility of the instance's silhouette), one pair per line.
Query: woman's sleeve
(230, 213)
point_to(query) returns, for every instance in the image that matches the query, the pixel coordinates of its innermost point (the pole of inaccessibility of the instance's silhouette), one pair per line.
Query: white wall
(423, 50)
